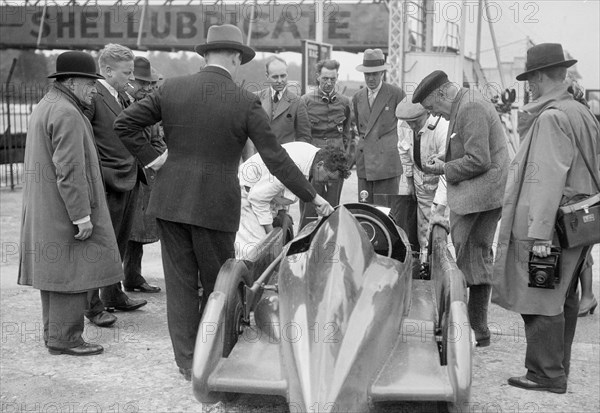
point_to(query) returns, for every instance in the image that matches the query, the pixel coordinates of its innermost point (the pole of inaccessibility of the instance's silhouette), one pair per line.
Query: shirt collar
(110, 89)
(377, 89)
(273, 91)
(222, 67)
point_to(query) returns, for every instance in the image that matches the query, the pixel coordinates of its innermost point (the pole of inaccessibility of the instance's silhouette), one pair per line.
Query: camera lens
(540, 277)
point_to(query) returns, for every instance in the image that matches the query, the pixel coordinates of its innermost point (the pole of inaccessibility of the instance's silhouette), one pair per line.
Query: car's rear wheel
(232, 278)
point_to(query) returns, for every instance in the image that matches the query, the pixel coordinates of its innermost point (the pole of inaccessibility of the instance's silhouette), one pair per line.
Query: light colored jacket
(264, 188)
(547, 171)
(433, 142)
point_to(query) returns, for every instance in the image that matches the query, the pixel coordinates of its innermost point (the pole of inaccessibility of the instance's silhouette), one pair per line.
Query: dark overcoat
(63, 183)
(207, 120)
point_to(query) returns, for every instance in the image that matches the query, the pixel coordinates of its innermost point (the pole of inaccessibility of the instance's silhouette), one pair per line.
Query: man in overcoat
(550, 171)
(207, 120)
(119, 168)
(378, 164)
(476, 169)
(67, 242)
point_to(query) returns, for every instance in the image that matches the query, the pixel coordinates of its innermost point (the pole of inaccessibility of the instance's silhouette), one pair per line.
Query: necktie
(371, 99)
(276, 97)
(122, 101)
(417, 150)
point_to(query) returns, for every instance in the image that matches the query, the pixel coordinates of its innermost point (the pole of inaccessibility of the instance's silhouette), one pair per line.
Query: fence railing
(16, 104)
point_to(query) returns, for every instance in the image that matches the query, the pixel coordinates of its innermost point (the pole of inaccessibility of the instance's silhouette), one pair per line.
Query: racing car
(337, 320)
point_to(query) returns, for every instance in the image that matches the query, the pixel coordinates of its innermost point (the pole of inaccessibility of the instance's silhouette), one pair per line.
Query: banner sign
(280, 27)
(312, 52)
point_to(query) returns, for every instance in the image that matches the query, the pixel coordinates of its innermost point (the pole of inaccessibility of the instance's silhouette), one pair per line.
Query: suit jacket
(377, 154)
(476, 155)
(289, 118)
(119, 167)
(207, 120)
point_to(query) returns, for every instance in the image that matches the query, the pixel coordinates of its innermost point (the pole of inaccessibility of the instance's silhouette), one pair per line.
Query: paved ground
(137, 373)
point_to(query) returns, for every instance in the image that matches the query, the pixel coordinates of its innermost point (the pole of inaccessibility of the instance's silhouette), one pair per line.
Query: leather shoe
(524, 383)
(103, 319)
(85, 349)
(187, 373)
(128, 304)
(143, 288)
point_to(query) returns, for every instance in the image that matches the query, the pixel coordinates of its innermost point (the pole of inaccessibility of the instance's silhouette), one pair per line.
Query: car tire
(232, 278)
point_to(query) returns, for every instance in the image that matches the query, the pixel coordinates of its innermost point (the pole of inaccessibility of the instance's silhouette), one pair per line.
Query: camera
(544, 272)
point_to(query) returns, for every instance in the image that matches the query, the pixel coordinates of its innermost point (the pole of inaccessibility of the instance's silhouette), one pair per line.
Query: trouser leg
(95, 305)
(182, 287)
(132, 264)
(63, 318)
(479, 298)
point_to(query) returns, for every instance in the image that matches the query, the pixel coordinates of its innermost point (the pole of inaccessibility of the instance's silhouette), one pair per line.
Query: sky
(573, 23)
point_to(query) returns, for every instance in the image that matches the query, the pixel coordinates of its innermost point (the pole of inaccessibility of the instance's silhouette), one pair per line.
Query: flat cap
(430, 83)
(407, 111)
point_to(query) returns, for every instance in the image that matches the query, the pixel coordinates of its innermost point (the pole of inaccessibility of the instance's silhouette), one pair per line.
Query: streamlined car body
(335, 320)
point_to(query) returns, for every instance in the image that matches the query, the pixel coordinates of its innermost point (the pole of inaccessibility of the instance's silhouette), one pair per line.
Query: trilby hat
(142, 70)
(75, 64)
(545, 56)
(226, 36)
(408, 111)
(430, 83)
(373, 61)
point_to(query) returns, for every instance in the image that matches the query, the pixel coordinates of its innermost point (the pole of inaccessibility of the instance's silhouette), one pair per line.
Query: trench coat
(547, 171)
(63, 183)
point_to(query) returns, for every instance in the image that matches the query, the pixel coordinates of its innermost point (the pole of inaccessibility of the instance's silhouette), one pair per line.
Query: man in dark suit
(120, 170)
(287, 112)
(476, 169)
(207, 120)
(378, 164)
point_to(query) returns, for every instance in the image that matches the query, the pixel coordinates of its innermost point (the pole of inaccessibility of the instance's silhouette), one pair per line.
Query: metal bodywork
(339, 322)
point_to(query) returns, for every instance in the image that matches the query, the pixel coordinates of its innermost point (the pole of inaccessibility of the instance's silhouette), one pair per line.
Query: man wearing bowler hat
(68, 243)
(421, 135)
(143, 230)
(559, 136)
(207, 120)
(476, 168)
(378, 164)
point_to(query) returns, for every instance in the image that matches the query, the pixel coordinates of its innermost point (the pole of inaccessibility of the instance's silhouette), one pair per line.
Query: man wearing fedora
(207, 120)
(475, 166)
(65, 215)
(417, 141)
(330, 122)
(554, 127)
(378, 164)
(143, 230)
(120, 170)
